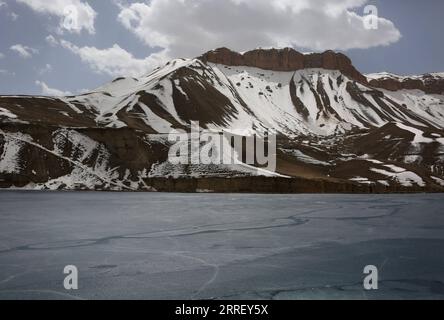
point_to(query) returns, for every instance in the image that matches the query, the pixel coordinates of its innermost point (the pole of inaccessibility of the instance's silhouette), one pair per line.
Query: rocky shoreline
(258, 185)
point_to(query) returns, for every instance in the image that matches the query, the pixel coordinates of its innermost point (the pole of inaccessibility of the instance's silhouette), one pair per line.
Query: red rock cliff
(285, 60)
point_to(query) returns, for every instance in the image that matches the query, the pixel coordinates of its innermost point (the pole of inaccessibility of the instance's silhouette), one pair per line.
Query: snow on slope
(263, 100)
(429, 107)
(88, 158)
(267, 93)
(10, 158)
(405, 178)
(109, 99)
(389, 75)
(325, 107)
(7, 113)
(419, 135)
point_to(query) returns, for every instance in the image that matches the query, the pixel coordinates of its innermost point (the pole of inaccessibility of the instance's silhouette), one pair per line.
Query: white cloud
(186, 28)
(47, 91)
(4, 72)
(24, 51)
(14, 16)
(75, 15)
(46, 69)
(2, 55)
(51, 40)
(114, 61)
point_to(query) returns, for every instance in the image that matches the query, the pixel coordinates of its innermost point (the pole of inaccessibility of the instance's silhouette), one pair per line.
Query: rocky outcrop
(286, 59)
(427, 83)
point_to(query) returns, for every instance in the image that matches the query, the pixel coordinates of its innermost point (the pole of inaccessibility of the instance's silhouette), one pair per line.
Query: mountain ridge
(333, 128)
(287, 59)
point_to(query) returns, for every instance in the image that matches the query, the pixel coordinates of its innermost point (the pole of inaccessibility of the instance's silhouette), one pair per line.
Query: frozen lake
(184, 246)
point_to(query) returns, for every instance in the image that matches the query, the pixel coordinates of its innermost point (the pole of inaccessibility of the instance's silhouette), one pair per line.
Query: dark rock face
(427, 83)
(274, 185)
(285, 60)
(211, 107)
(57, 152)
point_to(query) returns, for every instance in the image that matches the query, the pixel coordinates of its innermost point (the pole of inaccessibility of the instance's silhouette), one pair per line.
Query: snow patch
(305, 158)
(10, 157)
(361, 180)
(438, 181)
(405, 178)
(419, 135)
(6, 113)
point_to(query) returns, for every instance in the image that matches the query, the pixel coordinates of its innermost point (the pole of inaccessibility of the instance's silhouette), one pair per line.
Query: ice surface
(174, 246)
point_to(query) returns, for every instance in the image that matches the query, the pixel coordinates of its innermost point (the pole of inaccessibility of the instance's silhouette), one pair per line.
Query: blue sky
(43, 52)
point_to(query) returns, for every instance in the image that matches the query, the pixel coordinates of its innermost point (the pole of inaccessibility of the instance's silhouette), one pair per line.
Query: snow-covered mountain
(338, 130)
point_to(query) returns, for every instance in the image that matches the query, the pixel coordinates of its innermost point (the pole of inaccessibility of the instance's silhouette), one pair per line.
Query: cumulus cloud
(114, 61)
(186, 28)
(47, 91)
(24, 51)
(75, 15)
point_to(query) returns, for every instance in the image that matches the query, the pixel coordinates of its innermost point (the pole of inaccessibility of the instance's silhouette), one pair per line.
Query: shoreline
(250, 185)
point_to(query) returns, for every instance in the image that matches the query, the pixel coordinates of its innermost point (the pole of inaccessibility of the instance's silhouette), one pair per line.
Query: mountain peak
(332, 132)
(286, 59)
